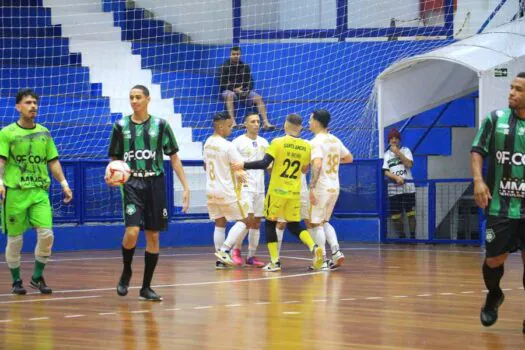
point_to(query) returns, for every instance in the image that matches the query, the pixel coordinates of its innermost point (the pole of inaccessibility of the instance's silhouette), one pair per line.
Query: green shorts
(24, 209)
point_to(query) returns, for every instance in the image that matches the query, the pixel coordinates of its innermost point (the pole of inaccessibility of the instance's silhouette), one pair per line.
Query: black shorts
(400, 202)
(503, 235)
(145, 203)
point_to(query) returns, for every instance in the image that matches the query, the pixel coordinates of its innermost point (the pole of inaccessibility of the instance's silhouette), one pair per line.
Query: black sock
(523, 278)
(127, 258)
(150, 262)
(492, 276)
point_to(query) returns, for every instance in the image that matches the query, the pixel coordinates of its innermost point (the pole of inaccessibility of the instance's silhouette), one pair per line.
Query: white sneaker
(326, 266)
(224, 257)
(338, 258)
(271, 267)
(318, 259)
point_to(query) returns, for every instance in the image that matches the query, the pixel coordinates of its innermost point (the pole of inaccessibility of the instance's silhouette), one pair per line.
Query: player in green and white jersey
(501, 140)
(27, 151)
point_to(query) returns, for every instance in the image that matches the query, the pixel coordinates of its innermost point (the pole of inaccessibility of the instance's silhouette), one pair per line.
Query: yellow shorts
(287, 208)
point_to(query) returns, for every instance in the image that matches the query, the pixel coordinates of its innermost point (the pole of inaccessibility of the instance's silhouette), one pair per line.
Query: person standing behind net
(251, 147)
(327, 153)
(291, 157)
(27, 150)
(397, 162)
(141, 140)
(236, 82)
(501, 140)
(223, 189)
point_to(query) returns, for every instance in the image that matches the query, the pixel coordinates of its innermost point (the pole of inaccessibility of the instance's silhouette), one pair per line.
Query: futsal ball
(117, 172)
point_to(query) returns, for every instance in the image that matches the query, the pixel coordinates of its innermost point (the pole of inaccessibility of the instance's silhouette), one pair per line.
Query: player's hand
(68, 194)
(185, 200)
(236, 166)
(394, 149)
(242, 176)
(481, 194)
(313, 199)
(110, 183)
(400, 180)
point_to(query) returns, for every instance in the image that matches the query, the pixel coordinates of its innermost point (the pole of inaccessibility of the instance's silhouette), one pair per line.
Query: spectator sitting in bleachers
(237, 84)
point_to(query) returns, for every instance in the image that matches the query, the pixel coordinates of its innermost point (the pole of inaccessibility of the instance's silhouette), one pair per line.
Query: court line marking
(74, 316)
(67, 291)
(233, 305)
(202, 307)
(291, 313)
(39, 319)
(347, 299)
(424, 295)
(106, 313)
(140, 311)
(174, 309)
(291, 302)
(400, 296)
(374, 298)
(49, 299)
(319, 300)
(263, 303)
(5, 321)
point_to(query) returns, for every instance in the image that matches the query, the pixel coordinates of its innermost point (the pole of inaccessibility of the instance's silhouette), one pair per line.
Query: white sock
(253, 241)
(238, 244)
(319, 237)
(280, 234)
(233, 235)
(218, 237)
(331, 237)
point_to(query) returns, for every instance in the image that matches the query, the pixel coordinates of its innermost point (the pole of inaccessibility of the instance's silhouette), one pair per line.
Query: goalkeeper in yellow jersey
(291, 157)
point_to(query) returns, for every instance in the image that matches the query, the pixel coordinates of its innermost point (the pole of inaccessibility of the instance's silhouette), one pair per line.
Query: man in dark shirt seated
(237, 83)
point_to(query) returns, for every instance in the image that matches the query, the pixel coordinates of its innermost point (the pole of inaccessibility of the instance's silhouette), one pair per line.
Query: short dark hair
(521, 75)
(144, 89)
(322, 116)
(235, 48)
(24, 93)
(249, 115)
(220, 116)
(294, 119)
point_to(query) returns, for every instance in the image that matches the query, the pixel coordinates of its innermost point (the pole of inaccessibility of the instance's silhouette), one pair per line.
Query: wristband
(64, 183)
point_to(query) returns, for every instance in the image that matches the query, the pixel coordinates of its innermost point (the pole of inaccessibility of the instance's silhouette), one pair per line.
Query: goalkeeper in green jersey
(26, 151)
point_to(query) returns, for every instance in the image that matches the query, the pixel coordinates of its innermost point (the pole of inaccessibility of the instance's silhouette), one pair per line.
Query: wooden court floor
(385, 297)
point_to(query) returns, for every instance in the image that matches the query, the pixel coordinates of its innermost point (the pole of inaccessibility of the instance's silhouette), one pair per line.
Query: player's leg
(229, 97)
(292, 215)
(497, 237)
(40, 216)
(248, 197)
(155, 221)
(236, 211)
(338, 257)
(133, 206)
(409, 205)
(254, 233)
(273, 209)
(14, 224)
(315, 219)
(395, 210)
(279, 231)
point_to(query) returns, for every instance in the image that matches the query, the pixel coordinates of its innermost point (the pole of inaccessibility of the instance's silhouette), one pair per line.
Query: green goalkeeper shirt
(27, 152)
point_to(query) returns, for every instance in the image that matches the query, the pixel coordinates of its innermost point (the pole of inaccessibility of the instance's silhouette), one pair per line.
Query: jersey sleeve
(51, 151)
(235, 156)
(4, 145)
(386, 157)
(116, 145)
(316, 150)
(344, 151)
(482, 140)
(272, 149)
(169, 143)
(308, 154)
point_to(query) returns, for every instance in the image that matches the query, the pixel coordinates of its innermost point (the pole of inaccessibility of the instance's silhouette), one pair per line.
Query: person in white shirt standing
(223, 189)
(327, 153)
(251, 147)
(397, 162)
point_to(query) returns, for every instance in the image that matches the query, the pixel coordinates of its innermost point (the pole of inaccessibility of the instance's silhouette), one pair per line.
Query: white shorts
(322, 211)
(234, 211)
(255, 203)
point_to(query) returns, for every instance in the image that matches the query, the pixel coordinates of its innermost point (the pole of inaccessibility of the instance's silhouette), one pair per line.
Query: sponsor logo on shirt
(141, 154)
(510, 187)
(506, 157)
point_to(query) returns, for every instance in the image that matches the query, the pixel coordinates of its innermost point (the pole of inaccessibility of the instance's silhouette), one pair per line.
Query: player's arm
(4, 154)
(404, 158)
(259, 164)
(170, 148)
(2, 170)
(398, 179)
(480, 149)
(56, 170)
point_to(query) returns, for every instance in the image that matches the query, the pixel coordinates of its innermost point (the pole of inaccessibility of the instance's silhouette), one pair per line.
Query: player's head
(293, 124)
(394, 137)
(319, 120)
(222, 124)
(517, 92)
(235, 54)
(252, 122)
(139, 99)
(27, 103)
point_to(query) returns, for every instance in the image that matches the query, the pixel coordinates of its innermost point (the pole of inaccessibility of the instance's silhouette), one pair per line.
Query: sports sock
(331, 237)
(150, 262)
(218, 237)
(274, 253)
(253, 241)
(38, 270)
(233, 235)
(305, 237)
(127, 258)
(280, 234)
(15, 274)
(492, 277)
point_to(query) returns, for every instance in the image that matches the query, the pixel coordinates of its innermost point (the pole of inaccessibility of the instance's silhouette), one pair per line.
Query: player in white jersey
(223, 188)
(327, 153)
(251, 147)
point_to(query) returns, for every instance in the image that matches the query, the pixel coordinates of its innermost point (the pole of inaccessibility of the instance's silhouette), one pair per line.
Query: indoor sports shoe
(272, 267)
(254, 262)
(325, 267)
(489, 311)
(122, 286)
(18, 288)
(317, 260)
(149, 295)
(219, 265)
(236, 257)
(224, 257)
(40, 285)
(338, 258)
